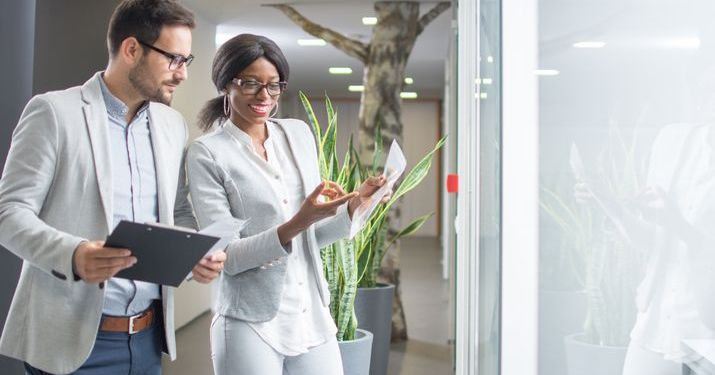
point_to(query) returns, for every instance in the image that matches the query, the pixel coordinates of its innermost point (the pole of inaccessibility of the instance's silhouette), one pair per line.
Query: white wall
(192, 298)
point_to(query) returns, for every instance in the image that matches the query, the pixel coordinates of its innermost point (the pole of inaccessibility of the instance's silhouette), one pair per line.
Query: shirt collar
(115, 107)
(242, 136)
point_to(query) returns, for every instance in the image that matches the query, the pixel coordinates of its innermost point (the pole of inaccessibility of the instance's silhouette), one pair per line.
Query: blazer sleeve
(183, 210)
(26, 180)
(333, 228)
(212, 203)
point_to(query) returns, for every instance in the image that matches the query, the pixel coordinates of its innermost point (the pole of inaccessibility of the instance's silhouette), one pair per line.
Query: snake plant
(348, 264)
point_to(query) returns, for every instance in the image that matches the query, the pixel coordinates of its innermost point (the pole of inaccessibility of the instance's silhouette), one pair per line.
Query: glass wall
(488, 98)
(478, 255)
(627, 185)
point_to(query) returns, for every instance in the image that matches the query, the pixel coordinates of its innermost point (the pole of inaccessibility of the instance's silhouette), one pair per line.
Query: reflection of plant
(562, 266)
(348, 264)
(604, 259)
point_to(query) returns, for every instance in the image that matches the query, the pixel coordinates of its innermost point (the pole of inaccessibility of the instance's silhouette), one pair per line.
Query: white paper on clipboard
(226, 230)
(394, 167)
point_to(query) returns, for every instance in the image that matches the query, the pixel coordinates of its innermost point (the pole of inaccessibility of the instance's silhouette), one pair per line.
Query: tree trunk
(399, 24)
(392, 40)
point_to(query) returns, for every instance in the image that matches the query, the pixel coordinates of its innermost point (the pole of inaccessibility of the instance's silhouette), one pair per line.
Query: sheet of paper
(394, 168)
(226, 230)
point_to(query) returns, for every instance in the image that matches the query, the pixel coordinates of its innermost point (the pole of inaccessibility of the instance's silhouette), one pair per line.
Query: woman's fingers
(316, 192)
(337, 202)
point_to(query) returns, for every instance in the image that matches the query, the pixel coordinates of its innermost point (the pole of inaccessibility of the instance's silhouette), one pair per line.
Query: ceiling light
(490, 59)
(369, 21)
(482, 95)
(408, 95)
(546, 72)
(486, 81)
(340, 70)
(589, 44)
(311, 42)
(409, 80)
(683, 42)
(356, 88)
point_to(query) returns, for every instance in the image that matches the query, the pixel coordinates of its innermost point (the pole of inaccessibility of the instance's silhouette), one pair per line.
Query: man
(81, 160)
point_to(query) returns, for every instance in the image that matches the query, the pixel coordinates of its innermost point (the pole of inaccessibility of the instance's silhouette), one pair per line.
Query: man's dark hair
(143, 19)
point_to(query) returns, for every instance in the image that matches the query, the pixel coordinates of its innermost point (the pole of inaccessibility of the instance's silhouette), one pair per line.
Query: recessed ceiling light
(486, 81)
(589, 44)
(340, 70)
(408, 95)
(369, 21)
(356, 88)
(682, 42)
(409, 80)
(546, 72)
(490, 59)
(311, 42)
(482, 95)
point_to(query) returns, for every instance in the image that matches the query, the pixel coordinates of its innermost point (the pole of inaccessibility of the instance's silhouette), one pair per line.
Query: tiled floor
(425, 297)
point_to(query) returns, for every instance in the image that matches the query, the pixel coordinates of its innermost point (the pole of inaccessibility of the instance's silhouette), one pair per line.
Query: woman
(272, 315)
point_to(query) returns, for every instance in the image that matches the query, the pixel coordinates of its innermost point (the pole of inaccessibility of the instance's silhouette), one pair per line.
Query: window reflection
(627, 132)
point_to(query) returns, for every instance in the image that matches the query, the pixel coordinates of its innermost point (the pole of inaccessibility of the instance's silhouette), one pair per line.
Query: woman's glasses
(253, 87)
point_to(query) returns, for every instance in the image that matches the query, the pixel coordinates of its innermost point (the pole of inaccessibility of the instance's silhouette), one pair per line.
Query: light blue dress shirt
(134, 195)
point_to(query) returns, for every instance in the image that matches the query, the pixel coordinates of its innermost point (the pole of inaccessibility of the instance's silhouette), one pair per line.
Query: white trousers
(236, 349)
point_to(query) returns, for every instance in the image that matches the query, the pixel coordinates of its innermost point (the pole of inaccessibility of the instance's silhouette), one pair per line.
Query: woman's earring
(226, 106)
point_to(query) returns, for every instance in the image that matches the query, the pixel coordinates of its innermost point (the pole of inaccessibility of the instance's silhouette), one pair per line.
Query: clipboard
(164, 254)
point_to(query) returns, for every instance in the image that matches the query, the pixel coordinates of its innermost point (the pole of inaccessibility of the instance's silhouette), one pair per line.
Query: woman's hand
(312, 210)
(365, 192)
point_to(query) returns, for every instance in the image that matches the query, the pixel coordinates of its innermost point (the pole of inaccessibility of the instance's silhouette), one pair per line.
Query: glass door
(479, 146)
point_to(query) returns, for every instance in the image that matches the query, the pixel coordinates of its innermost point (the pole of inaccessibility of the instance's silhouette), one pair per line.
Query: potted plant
(609, 265)
(356, 262)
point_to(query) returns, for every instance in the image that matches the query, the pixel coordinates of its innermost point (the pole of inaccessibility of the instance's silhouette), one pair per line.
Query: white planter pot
(561, 313)
(589, 359)
(356, 353)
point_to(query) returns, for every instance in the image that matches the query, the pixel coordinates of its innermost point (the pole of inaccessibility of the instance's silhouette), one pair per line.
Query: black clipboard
(165, 255)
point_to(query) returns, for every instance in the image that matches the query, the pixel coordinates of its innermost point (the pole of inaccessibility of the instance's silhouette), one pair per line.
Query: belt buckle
(131, 323)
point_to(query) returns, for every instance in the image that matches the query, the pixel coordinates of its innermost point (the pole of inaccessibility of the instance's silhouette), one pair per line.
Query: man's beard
(140, 79)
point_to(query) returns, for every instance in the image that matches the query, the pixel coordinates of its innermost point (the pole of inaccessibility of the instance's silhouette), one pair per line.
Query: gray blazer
(224, 185)
(56, 191)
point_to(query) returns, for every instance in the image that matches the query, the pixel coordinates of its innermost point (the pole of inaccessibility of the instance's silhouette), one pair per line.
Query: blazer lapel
(95, 114)
(159, 146)
(299, 148)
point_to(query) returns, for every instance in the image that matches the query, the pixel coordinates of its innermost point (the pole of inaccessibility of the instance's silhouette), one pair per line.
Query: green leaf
(412, 227)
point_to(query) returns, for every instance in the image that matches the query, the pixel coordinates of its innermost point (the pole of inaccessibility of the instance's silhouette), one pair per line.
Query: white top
(674, 297)
(302, 321)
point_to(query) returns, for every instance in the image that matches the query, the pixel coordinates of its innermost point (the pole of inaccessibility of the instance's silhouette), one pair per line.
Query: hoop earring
(226, 106)
(273, 114)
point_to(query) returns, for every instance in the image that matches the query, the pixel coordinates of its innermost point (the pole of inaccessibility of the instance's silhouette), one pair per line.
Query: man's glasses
(251, 87)
(176, 61)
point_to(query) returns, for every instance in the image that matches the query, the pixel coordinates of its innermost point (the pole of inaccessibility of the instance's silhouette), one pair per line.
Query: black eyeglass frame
(282, 85)
(175, 60)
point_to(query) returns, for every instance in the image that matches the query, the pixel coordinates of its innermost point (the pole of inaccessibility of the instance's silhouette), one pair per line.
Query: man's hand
(209, 267)
(95, 263)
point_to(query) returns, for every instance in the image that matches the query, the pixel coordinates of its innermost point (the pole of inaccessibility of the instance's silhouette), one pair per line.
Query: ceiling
(309, 65)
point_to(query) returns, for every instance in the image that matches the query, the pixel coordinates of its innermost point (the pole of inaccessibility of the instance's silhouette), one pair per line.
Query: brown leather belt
(128, 324)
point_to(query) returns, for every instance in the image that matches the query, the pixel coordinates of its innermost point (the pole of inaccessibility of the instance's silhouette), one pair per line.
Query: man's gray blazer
(56, 191)
(225, 185)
